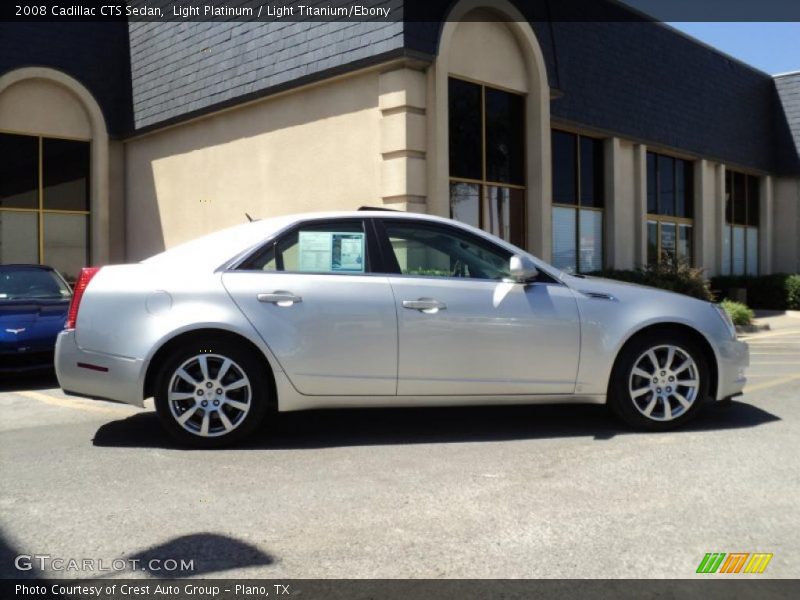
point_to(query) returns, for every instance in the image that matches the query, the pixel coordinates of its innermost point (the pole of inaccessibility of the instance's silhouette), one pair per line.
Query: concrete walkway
(778, 319)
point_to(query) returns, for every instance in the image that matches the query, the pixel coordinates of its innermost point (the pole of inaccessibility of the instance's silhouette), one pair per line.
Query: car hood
(31, 320)
(623, 290)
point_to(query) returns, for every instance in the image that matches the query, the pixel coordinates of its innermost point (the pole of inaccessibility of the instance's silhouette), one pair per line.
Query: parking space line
(775, 362)
(770, 384)
(773, 334)
(84, 405)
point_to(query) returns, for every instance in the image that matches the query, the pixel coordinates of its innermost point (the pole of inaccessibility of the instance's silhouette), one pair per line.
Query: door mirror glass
(522, 268)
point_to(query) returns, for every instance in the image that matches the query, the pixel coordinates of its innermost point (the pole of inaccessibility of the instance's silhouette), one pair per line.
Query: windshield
(32, 284)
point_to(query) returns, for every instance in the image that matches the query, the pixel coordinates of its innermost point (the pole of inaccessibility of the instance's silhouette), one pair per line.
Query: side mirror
(522, 269)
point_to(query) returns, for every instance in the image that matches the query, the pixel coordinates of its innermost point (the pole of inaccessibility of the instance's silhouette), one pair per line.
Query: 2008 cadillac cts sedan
(379, 308)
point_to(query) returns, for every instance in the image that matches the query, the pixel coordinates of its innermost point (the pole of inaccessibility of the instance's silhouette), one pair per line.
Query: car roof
(223, 245)
(226, 246)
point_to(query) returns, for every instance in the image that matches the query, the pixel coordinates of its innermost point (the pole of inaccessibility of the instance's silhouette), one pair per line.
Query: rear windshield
(33, 284)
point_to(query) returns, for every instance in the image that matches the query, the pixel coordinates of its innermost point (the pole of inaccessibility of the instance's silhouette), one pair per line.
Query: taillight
(77, 294)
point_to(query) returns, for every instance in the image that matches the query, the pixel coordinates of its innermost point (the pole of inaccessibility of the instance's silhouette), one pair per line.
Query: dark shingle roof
(96, 54)
(788, 121)
(184, 68)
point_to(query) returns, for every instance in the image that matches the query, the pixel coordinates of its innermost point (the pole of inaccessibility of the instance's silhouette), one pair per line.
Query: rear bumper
(734, 357)
(97, 375)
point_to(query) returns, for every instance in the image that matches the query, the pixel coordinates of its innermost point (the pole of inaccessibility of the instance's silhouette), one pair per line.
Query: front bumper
(97, 375)
(734, 357)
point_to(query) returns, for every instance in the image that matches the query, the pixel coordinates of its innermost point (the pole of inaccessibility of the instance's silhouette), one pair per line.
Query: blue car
(34, 301)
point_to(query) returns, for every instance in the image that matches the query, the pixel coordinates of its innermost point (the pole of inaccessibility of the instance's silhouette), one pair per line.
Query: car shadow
(39, 379)
(387, 426)
(200, 554)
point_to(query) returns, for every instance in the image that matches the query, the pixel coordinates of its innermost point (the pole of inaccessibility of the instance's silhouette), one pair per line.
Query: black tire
(624, 382)
(214, 351)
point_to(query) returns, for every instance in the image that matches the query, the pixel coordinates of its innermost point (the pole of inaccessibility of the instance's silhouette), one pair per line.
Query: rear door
(328, 319)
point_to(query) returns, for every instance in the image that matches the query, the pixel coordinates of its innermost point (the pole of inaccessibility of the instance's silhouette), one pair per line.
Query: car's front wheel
(211, 393)
(659, 381)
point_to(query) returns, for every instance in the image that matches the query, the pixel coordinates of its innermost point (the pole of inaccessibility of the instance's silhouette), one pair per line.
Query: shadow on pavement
(382, 426)
(208, 553)
(40, 379)
(197, 554)
(8, 555)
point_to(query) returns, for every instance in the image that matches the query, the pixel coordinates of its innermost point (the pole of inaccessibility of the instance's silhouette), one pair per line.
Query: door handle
(426, 305)
(280, 298)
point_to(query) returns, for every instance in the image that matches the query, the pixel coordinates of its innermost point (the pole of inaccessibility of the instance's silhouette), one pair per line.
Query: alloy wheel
(209, 395)
(664, 382)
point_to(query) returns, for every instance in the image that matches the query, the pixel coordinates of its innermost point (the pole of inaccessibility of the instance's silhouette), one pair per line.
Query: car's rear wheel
(659, 381)
(211, 393)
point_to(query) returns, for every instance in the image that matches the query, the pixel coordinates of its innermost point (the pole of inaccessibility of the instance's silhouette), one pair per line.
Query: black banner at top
(392, 11)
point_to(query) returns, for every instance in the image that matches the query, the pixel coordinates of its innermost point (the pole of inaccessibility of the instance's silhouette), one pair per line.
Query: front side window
(487, 159)
(330, 247)
(740, 235)
(437, 251)
(44, 202)
(670, 209)
(578, 202)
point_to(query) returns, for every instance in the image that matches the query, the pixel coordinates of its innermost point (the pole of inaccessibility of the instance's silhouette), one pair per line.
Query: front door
(463, 330)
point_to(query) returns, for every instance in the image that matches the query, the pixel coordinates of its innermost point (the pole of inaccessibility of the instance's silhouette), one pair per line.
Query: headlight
(726, 318)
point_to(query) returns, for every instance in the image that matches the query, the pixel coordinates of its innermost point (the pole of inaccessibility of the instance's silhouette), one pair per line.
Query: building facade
(591, 144)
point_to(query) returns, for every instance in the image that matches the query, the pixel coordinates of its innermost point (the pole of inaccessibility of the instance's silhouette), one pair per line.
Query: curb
(754, 328)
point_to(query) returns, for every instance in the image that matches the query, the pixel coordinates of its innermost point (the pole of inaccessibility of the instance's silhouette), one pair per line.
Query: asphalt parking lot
(532, 492)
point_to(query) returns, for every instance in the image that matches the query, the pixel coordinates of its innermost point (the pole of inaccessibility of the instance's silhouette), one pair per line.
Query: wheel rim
(209, 395)
(664, 383)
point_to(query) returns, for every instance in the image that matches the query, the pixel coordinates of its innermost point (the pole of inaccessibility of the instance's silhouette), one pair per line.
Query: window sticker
(331, 252)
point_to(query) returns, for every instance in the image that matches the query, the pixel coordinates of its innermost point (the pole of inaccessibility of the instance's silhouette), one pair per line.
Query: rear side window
(329, 247)
(32, 284)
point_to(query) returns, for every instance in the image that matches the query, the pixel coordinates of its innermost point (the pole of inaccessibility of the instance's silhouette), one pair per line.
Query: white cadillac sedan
(382, 308)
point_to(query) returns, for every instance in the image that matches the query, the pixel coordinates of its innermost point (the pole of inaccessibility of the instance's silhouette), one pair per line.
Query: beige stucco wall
(621, 210)
(786, 224)
(503, 66)
(43, 107)
(709, 212)
(314, 149)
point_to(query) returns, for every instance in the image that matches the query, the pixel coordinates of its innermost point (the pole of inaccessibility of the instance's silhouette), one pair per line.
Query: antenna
(249, 218)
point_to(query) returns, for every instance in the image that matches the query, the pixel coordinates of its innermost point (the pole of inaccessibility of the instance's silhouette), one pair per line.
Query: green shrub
(793, 292)
(772, 292)
(673, 275)
(740, 314)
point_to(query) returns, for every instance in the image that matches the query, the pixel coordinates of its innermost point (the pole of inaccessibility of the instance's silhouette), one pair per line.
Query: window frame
(40, 211)
(578, 206)
(484, 183)
(664, 219)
